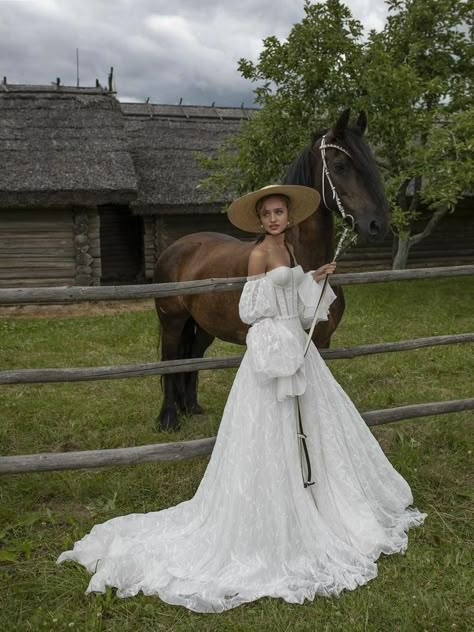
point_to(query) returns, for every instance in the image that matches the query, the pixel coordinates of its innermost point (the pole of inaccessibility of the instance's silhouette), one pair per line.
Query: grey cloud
(159, 49)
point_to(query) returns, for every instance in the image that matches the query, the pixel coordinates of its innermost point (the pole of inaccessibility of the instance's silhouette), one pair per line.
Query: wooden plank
(198, 447)
(36, 250)
(128, 292)
(37, 214)
(451, 262)
(15, 259)
(357, 256)
(33, 227)
(39, 242)
(36, 376)
(39, 283)
(37, 234)
(445, 253)
(34, 273)
(36, 263)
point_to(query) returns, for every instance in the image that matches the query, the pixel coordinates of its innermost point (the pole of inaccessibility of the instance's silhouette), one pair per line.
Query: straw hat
(303, 202)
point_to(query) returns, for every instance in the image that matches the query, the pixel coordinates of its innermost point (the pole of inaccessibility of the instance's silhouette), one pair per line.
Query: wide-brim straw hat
(303, 202)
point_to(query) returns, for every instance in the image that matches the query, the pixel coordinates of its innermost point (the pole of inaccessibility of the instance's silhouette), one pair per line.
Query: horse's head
(353, 173)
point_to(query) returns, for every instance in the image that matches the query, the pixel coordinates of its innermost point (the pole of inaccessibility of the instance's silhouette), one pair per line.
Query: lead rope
(342, 245)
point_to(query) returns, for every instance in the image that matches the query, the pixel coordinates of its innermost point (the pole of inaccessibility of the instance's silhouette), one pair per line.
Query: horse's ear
(337, 130)
(362, 122)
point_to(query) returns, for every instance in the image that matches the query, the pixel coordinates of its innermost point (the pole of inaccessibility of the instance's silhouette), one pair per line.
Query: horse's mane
(301, 170)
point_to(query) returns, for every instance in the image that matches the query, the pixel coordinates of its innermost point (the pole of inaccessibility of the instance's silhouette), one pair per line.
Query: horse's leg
(202, 340)
(184, 352)
(171, 334)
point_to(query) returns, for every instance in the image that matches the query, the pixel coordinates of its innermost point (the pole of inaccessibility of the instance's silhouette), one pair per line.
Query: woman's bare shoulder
(257, 261)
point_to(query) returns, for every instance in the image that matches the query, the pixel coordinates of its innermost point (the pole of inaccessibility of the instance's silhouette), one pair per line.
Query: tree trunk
(401, 257)
(403, 245)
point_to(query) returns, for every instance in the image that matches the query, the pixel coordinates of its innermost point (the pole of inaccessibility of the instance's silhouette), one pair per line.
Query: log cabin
(93, 190)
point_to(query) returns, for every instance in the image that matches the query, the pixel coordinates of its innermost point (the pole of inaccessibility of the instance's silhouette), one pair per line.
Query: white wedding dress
(252, 529)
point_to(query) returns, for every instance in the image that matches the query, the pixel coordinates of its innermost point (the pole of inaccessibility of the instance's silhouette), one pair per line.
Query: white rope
(326, 175)
(301, 437)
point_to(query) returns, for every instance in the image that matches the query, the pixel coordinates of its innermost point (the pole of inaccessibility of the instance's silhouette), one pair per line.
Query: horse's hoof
(190, 408)
(167, 420)
(194, 409)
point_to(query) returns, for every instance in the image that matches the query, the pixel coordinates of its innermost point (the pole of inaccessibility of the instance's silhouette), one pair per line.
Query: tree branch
(430, 226)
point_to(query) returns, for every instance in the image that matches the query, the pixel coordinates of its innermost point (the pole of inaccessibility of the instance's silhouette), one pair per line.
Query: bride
(298, 498)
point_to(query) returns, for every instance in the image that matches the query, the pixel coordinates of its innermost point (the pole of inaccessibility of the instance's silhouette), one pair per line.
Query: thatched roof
(163, 140)
(62, 146)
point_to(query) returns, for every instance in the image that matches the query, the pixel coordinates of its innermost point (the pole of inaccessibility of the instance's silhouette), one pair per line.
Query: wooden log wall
(94, 246)
(451, 243)
(149, 247)
(86, 246)
(49, 247)
(37, 248)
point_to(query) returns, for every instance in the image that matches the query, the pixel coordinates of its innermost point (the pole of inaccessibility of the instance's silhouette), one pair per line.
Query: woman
(261, 523)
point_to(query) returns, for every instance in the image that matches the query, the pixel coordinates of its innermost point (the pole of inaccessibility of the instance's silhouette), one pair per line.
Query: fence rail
(21, 296)
(179, 450)
(200, 447)
(86, 374)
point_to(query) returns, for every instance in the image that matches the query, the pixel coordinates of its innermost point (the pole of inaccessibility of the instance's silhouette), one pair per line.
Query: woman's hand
(327, 268)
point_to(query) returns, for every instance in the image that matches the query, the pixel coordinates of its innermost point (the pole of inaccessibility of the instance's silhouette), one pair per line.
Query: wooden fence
(199, 447)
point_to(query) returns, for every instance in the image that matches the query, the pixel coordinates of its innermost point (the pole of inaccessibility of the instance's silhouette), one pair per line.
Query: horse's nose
(374, 228)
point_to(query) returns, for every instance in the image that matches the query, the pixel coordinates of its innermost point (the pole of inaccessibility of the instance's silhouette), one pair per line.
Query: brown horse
(190, 323)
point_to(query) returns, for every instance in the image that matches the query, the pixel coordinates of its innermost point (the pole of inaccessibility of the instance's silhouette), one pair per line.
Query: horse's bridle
(324, 176)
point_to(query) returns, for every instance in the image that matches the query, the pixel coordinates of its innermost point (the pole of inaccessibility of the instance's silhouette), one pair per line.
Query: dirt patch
(88, 308)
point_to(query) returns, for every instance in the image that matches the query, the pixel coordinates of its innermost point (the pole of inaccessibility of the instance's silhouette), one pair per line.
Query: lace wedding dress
(252, 529)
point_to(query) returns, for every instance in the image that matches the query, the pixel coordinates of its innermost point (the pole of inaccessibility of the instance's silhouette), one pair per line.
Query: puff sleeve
(309, 292)
(257, 300)
(275, 353)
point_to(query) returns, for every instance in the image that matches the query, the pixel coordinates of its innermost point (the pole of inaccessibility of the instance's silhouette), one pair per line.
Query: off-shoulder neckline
(278, 267)
(264, 274)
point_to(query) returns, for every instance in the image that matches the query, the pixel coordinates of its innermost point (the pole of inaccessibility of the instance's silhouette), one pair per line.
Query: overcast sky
(160, 49)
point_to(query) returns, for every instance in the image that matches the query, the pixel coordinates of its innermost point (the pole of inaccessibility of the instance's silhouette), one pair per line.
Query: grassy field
(428, 588)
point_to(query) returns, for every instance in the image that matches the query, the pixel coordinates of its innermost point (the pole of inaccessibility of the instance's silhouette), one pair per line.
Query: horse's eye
(339, 166)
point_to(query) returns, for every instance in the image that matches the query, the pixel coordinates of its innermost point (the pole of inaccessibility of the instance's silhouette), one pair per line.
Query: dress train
(252, 529)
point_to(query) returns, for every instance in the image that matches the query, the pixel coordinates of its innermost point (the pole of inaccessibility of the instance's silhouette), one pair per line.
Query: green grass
(41, 515)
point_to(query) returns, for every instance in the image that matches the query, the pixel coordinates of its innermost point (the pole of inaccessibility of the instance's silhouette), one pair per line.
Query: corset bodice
(285, 282)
